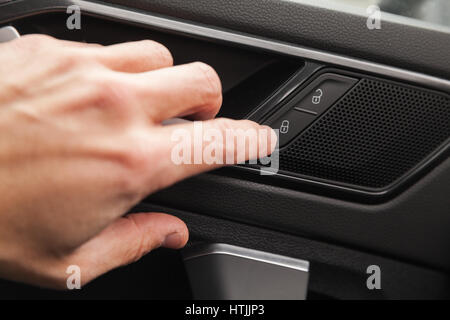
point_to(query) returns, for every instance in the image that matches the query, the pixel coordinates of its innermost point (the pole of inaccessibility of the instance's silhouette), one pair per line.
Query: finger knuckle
(128, 180)
(142, 245)
(212, 90)
(163, 53)
(68, 60)
(108, 93)
(224, 124)
(136, 157)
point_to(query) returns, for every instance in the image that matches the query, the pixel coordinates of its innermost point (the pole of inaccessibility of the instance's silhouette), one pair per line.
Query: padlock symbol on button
(317, 96)
(284, 128)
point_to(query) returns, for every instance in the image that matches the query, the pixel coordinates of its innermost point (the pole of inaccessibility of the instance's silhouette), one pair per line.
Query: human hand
(81, 142)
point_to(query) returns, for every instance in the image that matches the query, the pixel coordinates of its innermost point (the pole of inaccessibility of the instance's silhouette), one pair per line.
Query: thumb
(126, 241)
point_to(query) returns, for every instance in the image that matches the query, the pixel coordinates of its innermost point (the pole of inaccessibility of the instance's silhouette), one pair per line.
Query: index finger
(201, 146)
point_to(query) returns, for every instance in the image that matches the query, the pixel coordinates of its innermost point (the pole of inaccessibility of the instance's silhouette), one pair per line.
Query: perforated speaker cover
(376, 134)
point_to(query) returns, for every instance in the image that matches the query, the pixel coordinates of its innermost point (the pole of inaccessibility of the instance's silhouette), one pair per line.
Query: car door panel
(266, 52)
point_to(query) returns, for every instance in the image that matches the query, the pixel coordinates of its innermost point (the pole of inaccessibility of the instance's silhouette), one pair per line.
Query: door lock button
(291, 124)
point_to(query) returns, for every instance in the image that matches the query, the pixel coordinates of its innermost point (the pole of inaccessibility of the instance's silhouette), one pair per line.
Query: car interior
(362, 174)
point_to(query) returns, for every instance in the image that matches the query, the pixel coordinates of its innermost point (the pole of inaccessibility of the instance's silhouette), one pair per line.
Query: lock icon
(284, 128)
(316, 98)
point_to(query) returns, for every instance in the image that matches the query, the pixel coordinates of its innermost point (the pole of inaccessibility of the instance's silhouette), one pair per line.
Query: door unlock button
(324, 92)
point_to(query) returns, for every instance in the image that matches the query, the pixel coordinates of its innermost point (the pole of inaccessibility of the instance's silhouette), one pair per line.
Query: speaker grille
(372, 137)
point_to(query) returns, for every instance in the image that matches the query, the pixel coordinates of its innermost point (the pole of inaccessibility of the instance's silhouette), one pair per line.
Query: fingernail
(173, 241)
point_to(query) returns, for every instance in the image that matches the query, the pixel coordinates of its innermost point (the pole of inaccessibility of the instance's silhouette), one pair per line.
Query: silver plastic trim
(255, 255)
(8, 33)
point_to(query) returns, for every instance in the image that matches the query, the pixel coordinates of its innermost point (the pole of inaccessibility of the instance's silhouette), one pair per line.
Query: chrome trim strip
(261, 256)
